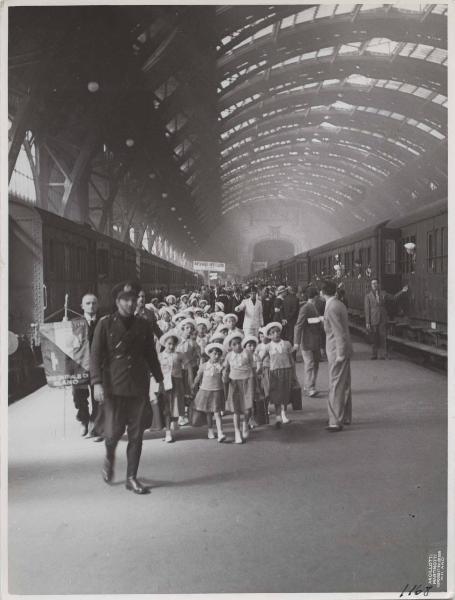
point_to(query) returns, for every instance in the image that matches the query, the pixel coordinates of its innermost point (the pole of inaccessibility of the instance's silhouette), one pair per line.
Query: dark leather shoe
(98, 438)
(108, 470)
(136, 486)
(333, 429)
(84, 430)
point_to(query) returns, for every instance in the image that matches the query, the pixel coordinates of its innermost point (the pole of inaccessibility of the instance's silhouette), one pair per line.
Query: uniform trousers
(311, 359)
(379, 340)
(120, 413)
(340, 398)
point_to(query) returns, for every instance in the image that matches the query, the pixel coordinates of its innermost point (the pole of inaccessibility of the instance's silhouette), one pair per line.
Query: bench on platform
(437, 336)
(426, 349)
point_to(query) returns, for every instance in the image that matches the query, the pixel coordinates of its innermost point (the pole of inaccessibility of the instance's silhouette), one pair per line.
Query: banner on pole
(66, 353)
(203, 265)
(213, 276)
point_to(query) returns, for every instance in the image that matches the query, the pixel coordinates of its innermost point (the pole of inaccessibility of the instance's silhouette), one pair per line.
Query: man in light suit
(253, 319)
(339, 351)
(307, 335)
(376, 317)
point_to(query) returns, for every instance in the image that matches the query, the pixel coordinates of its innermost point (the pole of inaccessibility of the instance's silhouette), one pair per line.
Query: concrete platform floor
(295, 510)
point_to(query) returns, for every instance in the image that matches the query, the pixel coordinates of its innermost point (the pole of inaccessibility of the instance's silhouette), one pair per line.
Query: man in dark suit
(123, 356)
(339, 351)
(307, 336)
(290, 313)
(235, 301)
(91, 421)
(376, 317)
(278, 314)
(149, 315)
(267, 306)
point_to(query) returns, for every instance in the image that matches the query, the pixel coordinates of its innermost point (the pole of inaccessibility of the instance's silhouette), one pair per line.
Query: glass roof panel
(371, 6)
(438, 56)
(263, 32)
(325, 10)
(287, 22)
(439, 9)
(342, 9)
(352, 48)
(421, 51)
(381, 46)
(305, 15)
(325, 52)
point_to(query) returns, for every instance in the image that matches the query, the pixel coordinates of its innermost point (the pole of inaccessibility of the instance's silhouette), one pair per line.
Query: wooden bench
(414, 332)
(426, 348)
(437, 336)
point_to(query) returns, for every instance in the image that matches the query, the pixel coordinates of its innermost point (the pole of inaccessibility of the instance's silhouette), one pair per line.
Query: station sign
(203, 265)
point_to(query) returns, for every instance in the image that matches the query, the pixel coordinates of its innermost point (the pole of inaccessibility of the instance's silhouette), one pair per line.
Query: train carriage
(423, 266)
(380, 252)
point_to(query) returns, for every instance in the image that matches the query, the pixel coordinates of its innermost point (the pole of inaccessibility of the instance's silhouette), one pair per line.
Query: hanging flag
(66, 352)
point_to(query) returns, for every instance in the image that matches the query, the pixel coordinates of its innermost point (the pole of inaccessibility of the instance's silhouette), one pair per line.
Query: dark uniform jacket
(308, 334)
(122, 359)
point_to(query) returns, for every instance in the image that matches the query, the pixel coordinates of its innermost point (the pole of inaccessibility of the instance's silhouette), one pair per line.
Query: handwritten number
(416, 590)
(403, 591)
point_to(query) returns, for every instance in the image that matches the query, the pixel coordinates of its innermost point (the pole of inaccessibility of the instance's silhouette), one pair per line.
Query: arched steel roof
(338, 108)
(326, 103)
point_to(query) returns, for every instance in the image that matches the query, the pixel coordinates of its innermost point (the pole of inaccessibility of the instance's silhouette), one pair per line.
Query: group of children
(211, 368)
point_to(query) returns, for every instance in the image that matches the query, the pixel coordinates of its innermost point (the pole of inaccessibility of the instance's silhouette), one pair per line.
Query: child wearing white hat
(165, 322)
(249, 344)
(202, 338)
(239, 375)
(231, 321)
(263, 364)
(191, 355)
(281, 371)
(217, 318)
(172, 400)
(210, 396)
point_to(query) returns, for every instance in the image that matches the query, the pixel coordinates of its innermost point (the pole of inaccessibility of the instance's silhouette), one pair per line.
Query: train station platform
(292, 510)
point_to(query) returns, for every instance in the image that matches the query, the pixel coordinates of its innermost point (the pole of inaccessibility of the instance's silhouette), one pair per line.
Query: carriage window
(51, 256)
(437, 250)
(430, 252)
(102, 262)
(67, 262)
(407, 260)
(390, 257)
(369, 256)
(443, 243)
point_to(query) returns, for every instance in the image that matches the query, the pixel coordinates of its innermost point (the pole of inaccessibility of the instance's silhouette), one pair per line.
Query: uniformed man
(123, 356)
